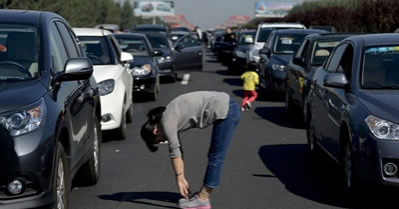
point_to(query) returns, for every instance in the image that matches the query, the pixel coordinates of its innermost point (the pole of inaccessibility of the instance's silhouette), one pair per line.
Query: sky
(208, 13)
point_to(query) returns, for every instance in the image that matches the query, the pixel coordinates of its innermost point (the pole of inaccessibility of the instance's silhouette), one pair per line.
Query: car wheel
(288, 101)
(91, 170)
(129, 114)
(312, 144)
(305, 110)
(61, 181)
(351, 182)
(121, 131)
(155, 93)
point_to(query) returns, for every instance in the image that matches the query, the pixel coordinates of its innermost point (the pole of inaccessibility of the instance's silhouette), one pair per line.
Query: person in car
(198, 109)
(250, 79)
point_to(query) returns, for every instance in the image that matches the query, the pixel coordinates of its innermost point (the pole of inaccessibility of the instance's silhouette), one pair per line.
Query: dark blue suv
(49, 111)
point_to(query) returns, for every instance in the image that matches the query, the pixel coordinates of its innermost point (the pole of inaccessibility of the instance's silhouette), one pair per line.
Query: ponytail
(147, 129)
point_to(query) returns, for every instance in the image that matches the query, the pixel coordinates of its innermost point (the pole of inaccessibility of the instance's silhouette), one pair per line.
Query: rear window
(381, 67)
(19, 52)
(134, 46)
(288, 44)
(264, 33)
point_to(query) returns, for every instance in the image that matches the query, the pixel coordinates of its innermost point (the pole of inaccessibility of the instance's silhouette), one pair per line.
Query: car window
(19, 52)
(243, 36)
(96, 49)
(345, 65)
(116, 47)
(380, 67)
(58, 51)
(189, 41)
(158, 41)
(303, 49)
(287, 44)
(134, 46)
(336, 58)
(175, 37)
(321, 50)
(70, 44)
(264, 33)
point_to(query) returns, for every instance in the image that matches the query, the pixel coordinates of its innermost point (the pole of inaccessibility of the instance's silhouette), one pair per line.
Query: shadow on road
(319, 180)
(233, 81)
(145, 198)
(278, 116)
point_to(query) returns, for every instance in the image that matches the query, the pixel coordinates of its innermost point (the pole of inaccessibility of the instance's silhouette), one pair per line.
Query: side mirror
(249, 40)
(265, 51)
(336, 80)
(157, 53)
(298, 61)
(179, 47)
(126, 57)
(75, 69)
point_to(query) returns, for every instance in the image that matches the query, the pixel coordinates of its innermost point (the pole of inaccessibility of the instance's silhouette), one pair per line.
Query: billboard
(273, 9)
(153, 8)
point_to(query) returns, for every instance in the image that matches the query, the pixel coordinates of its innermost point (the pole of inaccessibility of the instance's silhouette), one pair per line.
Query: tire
(61, 180)
(305, 110)
(312, 144)
(91, 170)
(155, 93)
(351, 182)
(289, 106)
(121, 131)
(129, 114)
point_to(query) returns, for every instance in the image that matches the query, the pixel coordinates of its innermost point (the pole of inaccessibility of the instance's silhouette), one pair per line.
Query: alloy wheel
(348, 166)
(60, 185)
(96, 151)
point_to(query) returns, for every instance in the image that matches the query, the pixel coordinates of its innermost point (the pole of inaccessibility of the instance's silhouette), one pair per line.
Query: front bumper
(30, 159)
(111, 110)
(278, 80)
(145, 84)
(372, 154)
(238, 63)
(166, 69)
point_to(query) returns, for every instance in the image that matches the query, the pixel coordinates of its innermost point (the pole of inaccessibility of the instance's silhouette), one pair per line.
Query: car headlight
(26, 120)
(240, 54)
(164, 59)
(278, 67)
(106, 87)
(383, 129)
(143, 70)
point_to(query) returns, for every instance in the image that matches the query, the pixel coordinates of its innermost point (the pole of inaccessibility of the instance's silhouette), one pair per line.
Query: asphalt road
(267, 165)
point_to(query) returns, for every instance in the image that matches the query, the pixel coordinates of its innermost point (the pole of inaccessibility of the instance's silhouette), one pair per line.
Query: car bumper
(166, 69)
(111, 110)
(374, 154)
(144, 84)
(278, 81)
(31, 160)
(238, 63)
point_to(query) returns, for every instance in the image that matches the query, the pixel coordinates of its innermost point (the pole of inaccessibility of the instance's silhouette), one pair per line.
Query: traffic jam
(274, 111)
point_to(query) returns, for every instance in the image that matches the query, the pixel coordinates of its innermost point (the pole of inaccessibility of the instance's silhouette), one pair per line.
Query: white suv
(262, 34)
(113, 76)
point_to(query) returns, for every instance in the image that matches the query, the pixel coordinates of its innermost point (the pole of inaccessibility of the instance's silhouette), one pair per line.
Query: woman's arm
(182, 184)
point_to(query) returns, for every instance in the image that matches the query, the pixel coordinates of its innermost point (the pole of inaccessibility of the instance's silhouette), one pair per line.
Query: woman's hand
(183, 186)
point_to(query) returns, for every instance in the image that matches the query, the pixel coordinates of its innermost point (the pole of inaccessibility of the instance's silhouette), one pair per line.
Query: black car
(144, 66)
(238, 61)
(165, 62)
(314, 50)
(354, 114)
(50, 111)
(275, 55)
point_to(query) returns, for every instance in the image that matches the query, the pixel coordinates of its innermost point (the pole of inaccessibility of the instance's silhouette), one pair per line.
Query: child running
(251, 79)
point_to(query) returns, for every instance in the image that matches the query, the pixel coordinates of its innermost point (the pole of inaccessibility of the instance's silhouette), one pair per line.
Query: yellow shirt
(251, 79)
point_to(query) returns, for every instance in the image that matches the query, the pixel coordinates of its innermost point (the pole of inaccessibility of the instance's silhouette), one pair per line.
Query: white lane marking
(186, 78)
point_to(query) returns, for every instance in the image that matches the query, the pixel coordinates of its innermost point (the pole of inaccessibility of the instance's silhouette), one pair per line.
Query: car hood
(17, 95)
(381, 103)
(140, 61)
(105, 72)
(165, 51)
(281, 59)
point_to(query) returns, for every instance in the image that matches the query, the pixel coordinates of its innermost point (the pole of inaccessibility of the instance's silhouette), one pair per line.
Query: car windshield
(134, 46)
(175, 37)
(264, 33)
(96, 49)
(243, 36)
(321, 50)
(158, 41)
(381, 67)
(19, 52)
(288, 44)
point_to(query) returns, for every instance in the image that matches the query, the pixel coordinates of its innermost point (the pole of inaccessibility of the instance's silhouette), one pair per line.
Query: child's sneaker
(248, 105)
(194, 203)
(243, 109)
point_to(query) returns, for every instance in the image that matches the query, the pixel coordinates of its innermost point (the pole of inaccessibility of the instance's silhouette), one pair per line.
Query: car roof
(145, 26)
(23, 16)
(135, 35)
(281, 25)
(180, 32)
(377, 39)
(91, 32)
(160, 34)
(246, 31)
(297, 31)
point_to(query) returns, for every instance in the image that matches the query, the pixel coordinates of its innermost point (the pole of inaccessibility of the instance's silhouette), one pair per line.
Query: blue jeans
(221, 136)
